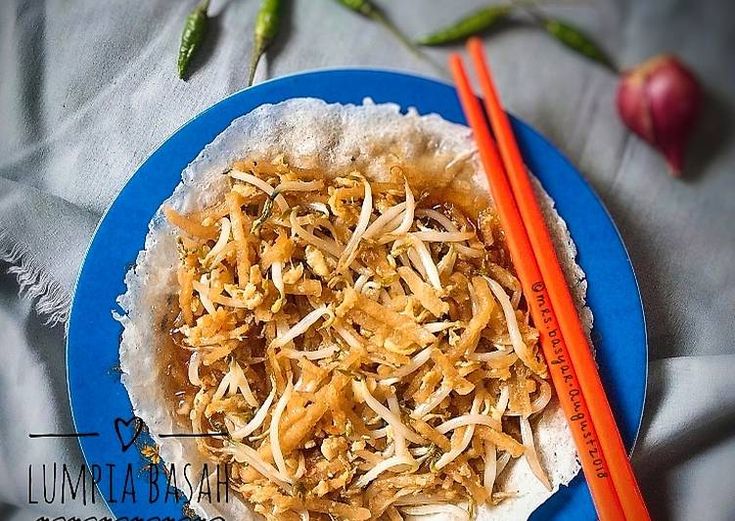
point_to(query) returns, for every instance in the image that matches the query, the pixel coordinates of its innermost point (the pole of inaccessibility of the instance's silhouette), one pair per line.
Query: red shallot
(660, 100)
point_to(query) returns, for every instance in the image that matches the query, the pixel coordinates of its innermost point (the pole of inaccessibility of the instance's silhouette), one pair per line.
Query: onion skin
(660, 101)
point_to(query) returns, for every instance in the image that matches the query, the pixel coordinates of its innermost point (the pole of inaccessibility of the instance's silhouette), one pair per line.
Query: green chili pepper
(266, 29)
(472, 24)
(363, 7)
(576, 40)
(191, 38)
(368, 9)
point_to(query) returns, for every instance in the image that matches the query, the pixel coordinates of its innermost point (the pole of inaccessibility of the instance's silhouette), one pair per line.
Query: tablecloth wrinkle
(88, 90)
(43, 238)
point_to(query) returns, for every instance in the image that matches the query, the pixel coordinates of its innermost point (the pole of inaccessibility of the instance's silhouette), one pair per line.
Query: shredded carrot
(186, 278)
(188, 226)
(240, 239)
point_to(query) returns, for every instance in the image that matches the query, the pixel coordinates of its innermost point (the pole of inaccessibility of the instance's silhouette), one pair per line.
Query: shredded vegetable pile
(365, 347)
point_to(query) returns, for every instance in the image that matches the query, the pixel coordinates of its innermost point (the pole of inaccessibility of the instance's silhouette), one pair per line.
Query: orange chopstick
(621, 470)
(563, 375)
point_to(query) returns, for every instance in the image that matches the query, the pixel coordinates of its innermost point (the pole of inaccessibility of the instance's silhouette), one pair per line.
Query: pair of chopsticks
(609, 475)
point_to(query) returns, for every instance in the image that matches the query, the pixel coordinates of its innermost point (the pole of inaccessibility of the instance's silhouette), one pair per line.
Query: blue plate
(97, 395)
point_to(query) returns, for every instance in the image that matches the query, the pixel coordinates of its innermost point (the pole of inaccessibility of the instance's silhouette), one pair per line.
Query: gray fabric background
(88, 90)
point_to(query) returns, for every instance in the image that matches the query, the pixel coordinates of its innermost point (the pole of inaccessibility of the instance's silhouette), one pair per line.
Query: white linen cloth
(88, 90)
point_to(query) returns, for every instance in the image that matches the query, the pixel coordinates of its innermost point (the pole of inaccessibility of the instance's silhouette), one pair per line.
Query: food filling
(364, 347)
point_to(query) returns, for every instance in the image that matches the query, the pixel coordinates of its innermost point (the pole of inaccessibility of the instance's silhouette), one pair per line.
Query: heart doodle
(130, 434)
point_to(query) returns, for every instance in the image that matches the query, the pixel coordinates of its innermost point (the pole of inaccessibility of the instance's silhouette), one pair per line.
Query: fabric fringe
(51, 300)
